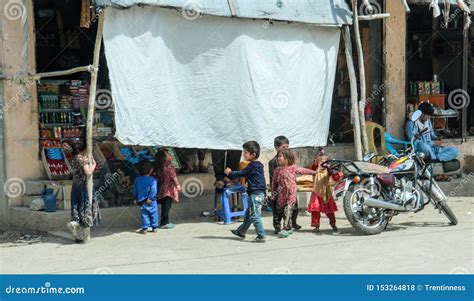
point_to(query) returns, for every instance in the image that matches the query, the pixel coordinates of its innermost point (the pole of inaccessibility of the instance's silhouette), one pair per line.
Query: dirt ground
(413, 243)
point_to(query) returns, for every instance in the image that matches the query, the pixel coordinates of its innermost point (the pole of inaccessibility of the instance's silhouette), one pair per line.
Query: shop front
(64, 35)
(440, 59)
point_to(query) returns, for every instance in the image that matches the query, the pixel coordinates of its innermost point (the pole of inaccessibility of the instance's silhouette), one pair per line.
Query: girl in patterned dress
(284, 188)
(84, 214)
(165, 174)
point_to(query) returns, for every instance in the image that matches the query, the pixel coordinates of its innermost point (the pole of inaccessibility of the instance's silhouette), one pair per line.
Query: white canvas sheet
(217, 82)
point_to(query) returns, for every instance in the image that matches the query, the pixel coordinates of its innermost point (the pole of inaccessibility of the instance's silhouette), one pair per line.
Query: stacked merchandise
(433, 87)
(65, 98)
(48, 96)
(305, 183)
(80, 94)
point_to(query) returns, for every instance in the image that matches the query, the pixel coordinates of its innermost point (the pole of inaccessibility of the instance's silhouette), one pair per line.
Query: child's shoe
(276, 231)
(154, 230)
(296, 227)
(334, 229)
(259, 239)
(283, 234)
(142, 231)
(167, 226)
(290, 232)
(237, 233)
(316, 230)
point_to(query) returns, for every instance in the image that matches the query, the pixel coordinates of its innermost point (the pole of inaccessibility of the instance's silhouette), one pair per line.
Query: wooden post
(363, 91)
(92, 91)
(465, 83)
(354, 96)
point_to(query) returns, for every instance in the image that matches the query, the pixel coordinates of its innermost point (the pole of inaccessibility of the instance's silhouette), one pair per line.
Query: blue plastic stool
(227, 193)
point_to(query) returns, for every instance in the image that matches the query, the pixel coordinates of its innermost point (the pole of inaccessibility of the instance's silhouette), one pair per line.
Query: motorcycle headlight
(421, 155)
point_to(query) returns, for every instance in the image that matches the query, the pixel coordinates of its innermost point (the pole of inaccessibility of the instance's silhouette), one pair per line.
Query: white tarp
(216, 82)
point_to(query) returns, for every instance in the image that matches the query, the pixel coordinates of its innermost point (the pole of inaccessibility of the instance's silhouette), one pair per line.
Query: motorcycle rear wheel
(354, 218)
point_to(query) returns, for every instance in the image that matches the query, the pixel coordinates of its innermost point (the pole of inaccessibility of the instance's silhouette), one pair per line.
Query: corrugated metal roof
(320, 12)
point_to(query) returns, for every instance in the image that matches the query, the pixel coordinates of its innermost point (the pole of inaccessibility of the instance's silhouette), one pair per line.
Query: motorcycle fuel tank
(401, 166)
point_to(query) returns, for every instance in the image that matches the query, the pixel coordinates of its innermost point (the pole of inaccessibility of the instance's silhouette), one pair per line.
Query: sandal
(442, 178)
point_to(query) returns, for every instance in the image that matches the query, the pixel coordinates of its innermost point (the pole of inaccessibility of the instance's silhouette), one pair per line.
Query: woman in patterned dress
(84, 214)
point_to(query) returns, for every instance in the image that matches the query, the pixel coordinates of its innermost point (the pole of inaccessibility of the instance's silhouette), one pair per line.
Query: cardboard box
(47, 169)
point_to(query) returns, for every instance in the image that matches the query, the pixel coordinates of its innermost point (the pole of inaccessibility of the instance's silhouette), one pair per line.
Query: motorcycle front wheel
(439, 201)
(366, 220)
(447, 212)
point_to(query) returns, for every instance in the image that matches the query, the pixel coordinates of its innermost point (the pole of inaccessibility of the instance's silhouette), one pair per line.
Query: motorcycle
(374, 193)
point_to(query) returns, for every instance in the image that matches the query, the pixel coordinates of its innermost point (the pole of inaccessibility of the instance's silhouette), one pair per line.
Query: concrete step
(463, 186)
(113, 217)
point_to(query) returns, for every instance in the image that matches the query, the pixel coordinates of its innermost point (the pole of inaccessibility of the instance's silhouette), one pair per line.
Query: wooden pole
(373, 17)
(64, 72)
(90, 110)
(354, 96)
(363, 91)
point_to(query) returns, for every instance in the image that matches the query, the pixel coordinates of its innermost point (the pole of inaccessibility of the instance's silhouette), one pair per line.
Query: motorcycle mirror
(369, 156)
(416, 115)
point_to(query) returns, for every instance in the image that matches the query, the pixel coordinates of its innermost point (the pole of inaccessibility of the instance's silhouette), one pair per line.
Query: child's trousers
(285, 214)
(149, 215)
(166, 203)
(316, 218)
(253, 215)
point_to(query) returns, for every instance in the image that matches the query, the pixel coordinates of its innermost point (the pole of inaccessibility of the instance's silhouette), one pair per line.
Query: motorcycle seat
(367, 167)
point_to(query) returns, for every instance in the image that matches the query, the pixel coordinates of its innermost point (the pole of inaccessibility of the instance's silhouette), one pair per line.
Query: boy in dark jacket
(144, 194)
(256, 188)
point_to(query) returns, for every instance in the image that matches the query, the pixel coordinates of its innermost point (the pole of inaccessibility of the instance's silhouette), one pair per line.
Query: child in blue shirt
(144, 194)
(256, 189)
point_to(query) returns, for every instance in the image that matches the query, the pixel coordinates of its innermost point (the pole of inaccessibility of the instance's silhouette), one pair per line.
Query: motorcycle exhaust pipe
(371, 202)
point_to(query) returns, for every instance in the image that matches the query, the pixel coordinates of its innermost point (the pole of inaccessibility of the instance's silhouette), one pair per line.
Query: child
(284, 189)
(321, 198)
(279, 143)
(144, 193)
(169, 186)
(256, 188)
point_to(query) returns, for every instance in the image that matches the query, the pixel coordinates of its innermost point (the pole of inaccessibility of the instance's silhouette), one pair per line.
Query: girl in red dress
(321, 198)
(284, 189)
